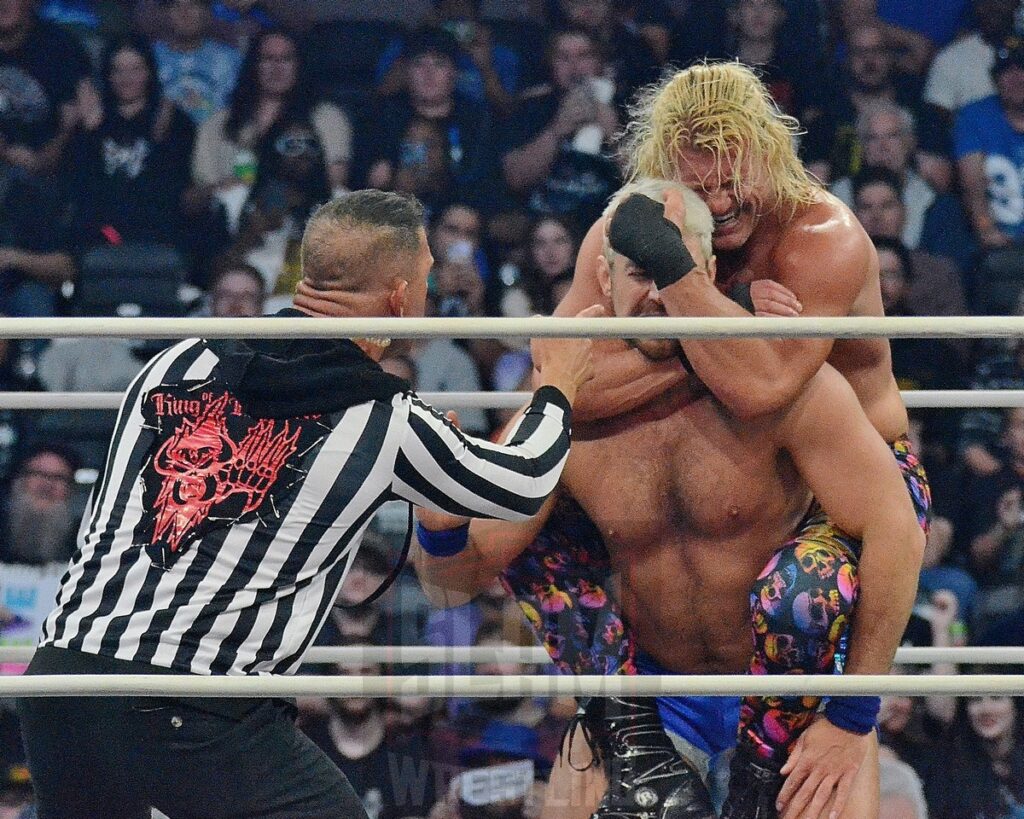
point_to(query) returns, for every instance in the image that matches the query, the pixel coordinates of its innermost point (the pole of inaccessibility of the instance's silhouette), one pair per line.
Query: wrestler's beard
(37, 536)
(656, 349)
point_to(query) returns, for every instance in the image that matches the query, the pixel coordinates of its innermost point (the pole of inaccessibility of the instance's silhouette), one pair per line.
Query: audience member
(917, 363)
(980, 769)
(457, 234)
(629, 61)
(992, 528)
(39, 521)
(651, 19)
(495, 784)
(235, 22)
(871, 78)
(237, 290)
(35, 245)
(961, 72)
(291, 180)
(91, 364)
(915, 28)
(980, 427)
(936, 286)
(445, 365)
(131, 168)
(392, 775)
(352, 620)
(908, 728)
(790, 68)
(196, 71)
(552, 150)
(431, 139)
(487, 72)
(272, 88)
(886, 135)
(988, 146)
(44, 88)
(537, 285)
(901, 792)
(453, 736)
(15, 426)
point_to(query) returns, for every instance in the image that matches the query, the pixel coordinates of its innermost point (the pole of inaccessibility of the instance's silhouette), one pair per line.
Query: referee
(239, 483)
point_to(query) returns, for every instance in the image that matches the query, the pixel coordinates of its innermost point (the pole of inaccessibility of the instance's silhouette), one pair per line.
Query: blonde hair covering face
(698, 217)
(725, 109)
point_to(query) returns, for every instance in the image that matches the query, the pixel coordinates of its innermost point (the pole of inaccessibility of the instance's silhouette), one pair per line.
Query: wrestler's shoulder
(826, 226)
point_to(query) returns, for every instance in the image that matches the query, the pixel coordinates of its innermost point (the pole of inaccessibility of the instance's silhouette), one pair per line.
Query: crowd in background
(160, 157)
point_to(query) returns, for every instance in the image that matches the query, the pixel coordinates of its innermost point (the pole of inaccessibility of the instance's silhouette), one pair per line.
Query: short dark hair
(62, 451)
(900, 249)
(372, 208)
(431, 40)
(372, 554)
(396, 218)
(874, 174)
(233, 264)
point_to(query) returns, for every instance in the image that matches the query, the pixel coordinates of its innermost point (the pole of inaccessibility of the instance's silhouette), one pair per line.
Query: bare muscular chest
(693, 475)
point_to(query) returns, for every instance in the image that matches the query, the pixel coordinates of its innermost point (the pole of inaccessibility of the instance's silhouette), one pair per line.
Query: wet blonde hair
(698, 217)
(726, 109)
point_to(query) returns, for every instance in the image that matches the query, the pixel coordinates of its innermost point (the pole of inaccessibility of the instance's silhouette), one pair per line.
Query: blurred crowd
(160, 157)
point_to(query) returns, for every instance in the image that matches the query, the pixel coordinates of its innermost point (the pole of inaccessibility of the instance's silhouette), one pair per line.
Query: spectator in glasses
(272, 88)
(292, 180)
(40, 522)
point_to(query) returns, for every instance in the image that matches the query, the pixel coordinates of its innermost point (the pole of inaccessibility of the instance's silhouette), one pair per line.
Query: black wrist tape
(741, 295)
(640, 232)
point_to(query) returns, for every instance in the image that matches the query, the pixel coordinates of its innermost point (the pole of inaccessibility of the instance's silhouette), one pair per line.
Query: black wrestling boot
(754, 785)
(647, 778)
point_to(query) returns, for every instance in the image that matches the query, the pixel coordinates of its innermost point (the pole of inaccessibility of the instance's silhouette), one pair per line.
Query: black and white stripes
(249, 595)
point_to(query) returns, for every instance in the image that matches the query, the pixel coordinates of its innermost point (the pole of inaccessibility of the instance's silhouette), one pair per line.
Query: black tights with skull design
(801, 607)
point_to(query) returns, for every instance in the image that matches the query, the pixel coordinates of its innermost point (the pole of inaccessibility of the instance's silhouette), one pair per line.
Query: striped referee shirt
(216, 540)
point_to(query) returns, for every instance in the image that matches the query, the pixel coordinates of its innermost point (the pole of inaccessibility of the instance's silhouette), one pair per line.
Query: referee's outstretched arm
(443, 469)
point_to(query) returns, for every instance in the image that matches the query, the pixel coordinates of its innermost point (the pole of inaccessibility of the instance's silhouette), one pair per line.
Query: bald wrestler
(689, 505)
(715, 129)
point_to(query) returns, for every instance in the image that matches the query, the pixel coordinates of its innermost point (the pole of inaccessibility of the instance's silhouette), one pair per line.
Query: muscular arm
(826, 264)
(623, 379)
(493, 545)
(855, 478)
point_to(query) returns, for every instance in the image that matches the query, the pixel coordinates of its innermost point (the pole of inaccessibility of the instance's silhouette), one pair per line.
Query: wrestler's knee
(808, 584)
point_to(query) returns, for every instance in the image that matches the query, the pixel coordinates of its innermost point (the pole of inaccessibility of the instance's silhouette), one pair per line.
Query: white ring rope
(511, 685)
(436, 655)
(545, 327)
(914, 399)
(519, 685)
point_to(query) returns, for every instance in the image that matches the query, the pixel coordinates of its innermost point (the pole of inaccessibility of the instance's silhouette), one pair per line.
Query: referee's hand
(566, 363)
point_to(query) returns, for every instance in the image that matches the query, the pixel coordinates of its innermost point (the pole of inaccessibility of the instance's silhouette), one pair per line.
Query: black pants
(114, 757)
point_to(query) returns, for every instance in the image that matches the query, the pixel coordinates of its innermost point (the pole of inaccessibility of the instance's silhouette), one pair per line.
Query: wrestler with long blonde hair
(714, 128)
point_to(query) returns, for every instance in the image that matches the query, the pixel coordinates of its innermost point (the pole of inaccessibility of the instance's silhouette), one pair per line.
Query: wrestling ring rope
(520, 685)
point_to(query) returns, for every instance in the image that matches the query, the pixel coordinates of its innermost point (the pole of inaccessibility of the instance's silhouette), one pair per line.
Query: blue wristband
(855, 714)
(444, 542)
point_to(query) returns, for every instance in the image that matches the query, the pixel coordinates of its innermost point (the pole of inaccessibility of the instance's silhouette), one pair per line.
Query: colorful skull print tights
(801, 605)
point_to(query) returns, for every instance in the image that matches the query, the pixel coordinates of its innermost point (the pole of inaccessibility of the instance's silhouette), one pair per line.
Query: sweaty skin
(821, 253)
(692, 503)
